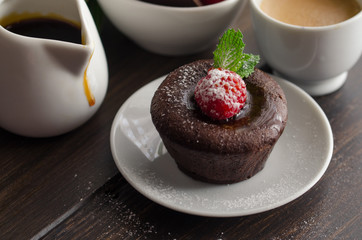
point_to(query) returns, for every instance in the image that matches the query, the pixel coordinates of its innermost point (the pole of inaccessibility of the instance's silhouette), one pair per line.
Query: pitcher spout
(72, 58)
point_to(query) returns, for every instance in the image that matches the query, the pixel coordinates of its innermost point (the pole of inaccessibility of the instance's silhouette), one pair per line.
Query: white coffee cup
(315, 58)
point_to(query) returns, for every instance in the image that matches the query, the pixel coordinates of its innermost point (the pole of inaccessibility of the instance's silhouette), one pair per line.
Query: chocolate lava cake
(213, 151)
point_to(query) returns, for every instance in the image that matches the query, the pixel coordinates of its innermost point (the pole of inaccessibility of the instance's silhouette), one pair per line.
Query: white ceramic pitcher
(49, 87)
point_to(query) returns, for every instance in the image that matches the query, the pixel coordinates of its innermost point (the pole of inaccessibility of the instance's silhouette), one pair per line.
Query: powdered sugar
(119, 221)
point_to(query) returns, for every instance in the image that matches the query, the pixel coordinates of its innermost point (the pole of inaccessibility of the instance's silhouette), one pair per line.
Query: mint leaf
(249, 63)
(229, 54)
(229, 51)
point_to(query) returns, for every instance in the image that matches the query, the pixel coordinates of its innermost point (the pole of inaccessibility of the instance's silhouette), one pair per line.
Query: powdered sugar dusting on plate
(206, 198)
(164, 183)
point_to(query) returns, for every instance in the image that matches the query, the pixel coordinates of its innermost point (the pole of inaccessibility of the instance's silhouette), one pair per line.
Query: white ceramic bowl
(171, 30)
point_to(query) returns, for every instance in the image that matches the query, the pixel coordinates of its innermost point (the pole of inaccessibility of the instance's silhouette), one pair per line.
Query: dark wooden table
(68, 187)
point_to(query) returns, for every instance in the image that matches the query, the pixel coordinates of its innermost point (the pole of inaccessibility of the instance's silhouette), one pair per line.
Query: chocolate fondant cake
(218, 151)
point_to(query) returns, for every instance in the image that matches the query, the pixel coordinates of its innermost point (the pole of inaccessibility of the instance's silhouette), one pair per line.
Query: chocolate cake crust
(235, 149)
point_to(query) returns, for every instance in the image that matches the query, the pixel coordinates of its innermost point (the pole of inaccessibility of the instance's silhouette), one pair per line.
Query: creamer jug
(49, 86)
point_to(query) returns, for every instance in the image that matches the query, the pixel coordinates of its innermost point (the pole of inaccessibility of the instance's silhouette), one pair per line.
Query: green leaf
(248, 66)
(229, 54)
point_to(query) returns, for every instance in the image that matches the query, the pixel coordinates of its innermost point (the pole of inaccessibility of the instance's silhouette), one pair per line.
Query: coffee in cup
(318, 57)
(311, 13)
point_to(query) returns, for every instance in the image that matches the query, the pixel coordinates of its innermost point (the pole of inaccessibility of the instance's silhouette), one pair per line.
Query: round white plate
(298, 161)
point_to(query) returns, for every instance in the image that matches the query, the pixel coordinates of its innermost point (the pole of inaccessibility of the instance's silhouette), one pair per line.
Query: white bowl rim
(183, 9)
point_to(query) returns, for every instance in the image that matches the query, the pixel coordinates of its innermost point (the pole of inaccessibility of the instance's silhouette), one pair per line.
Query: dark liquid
(47, 28)
(173, 3)
(252, 108)
(182, 3)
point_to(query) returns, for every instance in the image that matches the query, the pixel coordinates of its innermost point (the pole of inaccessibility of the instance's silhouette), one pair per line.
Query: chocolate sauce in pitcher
(48, 28)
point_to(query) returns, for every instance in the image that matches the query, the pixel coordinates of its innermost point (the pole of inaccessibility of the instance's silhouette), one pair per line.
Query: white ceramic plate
(298, 161)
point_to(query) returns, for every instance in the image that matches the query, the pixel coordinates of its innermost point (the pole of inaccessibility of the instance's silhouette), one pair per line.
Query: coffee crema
(311, 13)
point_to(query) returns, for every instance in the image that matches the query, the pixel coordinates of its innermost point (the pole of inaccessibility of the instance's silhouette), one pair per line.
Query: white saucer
(298, 161)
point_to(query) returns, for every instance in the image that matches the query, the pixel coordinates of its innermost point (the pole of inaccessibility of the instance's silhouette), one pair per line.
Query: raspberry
(221, 94)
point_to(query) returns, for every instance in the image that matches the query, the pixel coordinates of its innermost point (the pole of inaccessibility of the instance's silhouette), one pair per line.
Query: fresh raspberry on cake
(221, 94)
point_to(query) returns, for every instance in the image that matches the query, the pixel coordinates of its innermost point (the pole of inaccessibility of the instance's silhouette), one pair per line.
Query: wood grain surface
(68, 187)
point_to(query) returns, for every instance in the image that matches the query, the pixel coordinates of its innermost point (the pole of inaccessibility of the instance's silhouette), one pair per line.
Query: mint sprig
(229, 54)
